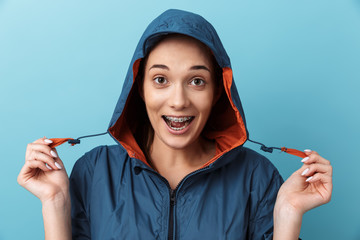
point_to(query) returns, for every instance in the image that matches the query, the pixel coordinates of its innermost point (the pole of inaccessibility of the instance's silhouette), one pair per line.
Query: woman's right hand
(43, 173)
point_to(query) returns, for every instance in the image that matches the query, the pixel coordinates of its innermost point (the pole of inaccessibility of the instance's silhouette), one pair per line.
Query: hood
(226, 124)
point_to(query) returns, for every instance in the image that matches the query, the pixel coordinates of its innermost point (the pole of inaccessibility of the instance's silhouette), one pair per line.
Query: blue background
(296, 64)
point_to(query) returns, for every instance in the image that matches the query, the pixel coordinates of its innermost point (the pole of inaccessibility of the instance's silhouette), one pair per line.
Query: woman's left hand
(308, 187)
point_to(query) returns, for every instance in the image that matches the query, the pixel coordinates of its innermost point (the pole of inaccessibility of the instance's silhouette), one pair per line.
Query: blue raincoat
(115, 194)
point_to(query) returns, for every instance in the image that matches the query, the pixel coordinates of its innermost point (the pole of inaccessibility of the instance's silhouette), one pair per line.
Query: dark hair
(144, 133)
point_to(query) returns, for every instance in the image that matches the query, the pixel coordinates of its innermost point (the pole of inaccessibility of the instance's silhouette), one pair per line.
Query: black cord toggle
(77, 141)
(265, 148)
(74, 141)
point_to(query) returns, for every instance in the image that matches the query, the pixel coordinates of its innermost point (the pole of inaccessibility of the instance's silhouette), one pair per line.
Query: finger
(42, 157)
(58, 162)
(26, 171)
(38, 164)
(57, 158)
(323, 178)
(308, 151)
(317, 168)
(43, 140)
(31, 165)
(314, 157)
(326, 182)
(36, 147)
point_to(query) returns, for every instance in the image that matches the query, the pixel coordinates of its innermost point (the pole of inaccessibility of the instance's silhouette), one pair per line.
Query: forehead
(180, 48)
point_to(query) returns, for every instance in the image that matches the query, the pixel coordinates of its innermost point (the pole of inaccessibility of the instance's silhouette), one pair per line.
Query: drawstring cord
(265, 148)
(291, 151)
(58, 141)
(76, 141)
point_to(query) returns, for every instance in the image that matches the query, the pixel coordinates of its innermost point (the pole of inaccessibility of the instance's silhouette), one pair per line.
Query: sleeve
(80, 190)
(266, 182)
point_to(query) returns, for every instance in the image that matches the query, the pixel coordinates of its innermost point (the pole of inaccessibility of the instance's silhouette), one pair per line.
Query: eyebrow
(200, 67)
(162, 66)
(196, 67)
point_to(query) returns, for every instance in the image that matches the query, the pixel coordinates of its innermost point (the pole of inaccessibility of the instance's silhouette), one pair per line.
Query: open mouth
(178, 123)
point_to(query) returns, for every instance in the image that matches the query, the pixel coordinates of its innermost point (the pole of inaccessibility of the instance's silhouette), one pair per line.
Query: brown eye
(197, 82)
(160, 80)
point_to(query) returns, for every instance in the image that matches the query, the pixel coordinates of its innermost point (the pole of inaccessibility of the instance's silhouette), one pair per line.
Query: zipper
(171, 215)
(172, 194)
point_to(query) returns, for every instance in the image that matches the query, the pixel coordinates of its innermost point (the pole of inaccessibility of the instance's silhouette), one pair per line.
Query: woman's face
(178, 90)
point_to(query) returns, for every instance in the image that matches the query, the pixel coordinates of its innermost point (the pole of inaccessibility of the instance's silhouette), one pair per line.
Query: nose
(178, 98)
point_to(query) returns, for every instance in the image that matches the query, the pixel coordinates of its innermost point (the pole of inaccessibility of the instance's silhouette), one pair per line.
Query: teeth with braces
(178, 129)
(175, 119)
(178, 119)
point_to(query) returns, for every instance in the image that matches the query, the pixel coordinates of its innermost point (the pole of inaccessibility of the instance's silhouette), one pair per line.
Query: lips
(178, 123)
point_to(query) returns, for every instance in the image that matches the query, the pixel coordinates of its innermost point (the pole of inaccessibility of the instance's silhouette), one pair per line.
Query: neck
(165, 158)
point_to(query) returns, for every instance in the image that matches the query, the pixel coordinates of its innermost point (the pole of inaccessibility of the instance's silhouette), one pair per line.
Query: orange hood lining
(226, 125)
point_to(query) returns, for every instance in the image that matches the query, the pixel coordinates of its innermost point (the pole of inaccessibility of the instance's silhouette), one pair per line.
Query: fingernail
(58, 165)
(48, 166)
(48, 141)
(305, 159)
(308, 179)
(307, 150)
(53, 153)
(305, 171)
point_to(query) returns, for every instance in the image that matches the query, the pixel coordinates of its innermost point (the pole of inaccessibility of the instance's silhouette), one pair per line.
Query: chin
(177, 142)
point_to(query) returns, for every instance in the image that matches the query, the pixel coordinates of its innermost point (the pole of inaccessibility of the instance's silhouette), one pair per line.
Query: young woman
(179, 170)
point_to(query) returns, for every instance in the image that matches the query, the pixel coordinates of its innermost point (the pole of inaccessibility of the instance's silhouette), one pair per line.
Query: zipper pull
(172, 198)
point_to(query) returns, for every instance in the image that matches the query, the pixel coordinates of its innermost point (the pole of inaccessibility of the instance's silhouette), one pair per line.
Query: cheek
(153, 101)
(204, 102)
